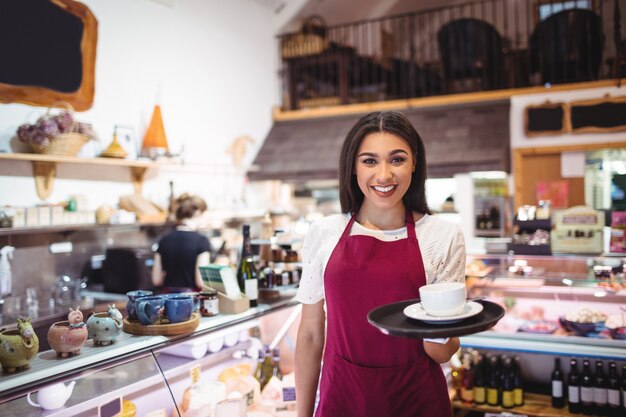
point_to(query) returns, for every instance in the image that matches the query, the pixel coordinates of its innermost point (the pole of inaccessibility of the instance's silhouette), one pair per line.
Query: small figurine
(68, 337)
(18, 347)
(104, 328)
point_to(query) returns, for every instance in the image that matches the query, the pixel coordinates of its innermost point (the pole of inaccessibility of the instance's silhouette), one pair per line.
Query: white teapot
(53, 396)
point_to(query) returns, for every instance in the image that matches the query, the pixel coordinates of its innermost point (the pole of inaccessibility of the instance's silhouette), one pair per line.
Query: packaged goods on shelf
(578, 229)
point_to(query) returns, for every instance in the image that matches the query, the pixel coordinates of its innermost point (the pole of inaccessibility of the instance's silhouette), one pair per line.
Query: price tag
(195, 374)
(504, 415)
(110, 408)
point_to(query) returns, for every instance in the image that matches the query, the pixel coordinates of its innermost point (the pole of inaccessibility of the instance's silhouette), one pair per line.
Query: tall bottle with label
(558, 401)
(613, 391)
(480, 381)
(600, 390)
(508, 397)
(573, 388)
(624, 387)
(276, 364)
(247, 276)
(518, 385)
(258, 371)
(494, 382)
(467, 387)
(586, 389)
(267, 366)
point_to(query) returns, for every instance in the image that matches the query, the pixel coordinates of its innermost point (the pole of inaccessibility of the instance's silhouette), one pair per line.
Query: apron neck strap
(408, 219)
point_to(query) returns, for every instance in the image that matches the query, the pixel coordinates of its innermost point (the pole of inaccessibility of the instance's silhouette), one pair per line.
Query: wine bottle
(258, 371)
(586, 389)
(480, 381)
(600, 391)
(573, 388)
(494, 379)
(613, 392)
(276, 364)
(247, 276)
(267, 366)
(518, 387)
(557, 385)
(508, 398)
(467, 387)
(623, 389)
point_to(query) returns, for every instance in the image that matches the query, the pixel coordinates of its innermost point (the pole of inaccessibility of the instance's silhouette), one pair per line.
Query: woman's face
(383, 168)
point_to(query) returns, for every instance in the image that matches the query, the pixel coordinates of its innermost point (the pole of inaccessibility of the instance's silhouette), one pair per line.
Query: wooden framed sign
(603, 115)
(545, 119)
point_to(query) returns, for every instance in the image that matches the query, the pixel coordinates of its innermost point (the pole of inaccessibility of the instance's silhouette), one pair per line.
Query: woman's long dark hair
(395, 123)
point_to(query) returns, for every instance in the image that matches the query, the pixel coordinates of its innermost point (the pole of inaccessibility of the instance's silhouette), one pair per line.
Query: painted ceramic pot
(67, 339)
(18, 347)
(104, 328)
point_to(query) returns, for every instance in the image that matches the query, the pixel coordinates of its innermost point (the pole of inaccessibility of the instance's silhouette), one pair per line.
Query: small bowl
(539, 327)
(581, 329)
(619, 333)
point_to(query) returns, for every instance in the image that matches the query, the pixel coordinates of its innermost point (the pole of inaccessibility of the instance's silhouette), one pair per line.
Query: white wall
(519, 103)
(215, 63)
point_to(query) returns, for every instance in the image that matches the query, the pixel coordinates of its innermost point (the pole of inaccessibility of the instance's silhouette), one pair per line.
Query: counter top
(47, 367)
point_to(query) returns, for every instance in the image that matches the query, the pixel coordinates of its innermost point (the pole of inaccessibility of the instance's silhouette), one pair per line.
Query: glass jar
(209, 303)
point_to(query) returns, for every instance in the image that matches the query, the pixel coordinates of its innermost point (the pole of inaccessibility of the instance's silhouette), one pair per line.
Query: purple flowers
(49, 127)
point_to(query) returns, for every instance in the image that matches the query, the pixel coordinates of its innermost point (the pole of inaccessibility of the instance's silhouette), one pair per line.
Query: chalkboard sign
(545, 119)
(603, 115)
(48, 52)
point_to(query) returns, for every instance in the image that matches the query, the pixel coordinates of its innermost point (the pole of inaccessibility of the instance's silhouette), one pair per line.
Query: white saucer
(417, 312)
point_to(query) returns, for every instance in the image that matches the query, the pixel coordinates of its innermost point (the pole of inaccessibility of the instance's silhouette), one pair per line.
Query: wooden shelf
(44, 168)
(70, 228)
(535, 405)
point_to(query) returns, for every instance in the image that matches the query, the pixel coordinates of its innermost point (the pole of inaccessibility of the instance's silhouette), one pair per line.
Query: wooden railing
(478, 46)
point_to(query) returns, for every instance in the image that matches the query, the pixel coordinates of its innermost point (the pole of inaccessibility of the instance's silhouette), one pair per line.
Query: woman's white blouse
(441, 243)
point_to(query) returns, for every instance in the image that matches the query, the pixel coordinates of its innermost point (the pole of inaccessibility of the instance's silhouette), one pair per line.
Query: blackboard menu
(603, 115)
(545, 119)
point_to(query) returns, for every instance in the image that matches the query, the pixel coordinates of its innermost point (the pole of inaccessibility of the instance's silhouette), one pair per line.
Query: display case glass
(560, 305)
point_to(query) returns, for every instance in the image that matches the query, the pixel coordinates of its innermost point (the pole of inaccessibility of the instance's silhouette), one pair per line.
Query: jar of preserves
(209, 303)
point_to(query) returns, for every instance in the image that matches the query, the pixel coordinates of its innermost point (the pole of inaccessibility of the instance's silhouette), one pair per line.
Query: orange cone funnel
(155, 137)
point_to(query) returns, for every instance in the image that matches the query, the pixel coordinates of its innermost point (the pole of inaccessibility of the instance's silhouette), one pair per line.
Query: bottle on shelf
(600, 390)
(586, 389)
(613, 391)
(480, 381)
(494, 382)
(573, 388)
(623, 388)
(247, 276)
(267, 366)
(276, 364)
(258, 371)
(518, 386)
(467, 387)
(558, 401)
(508, 395)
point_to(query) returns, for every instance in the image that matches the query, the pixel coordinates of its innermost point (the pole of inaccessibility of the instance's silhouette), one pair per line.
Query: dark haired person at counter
(385, 246)
(183, 250)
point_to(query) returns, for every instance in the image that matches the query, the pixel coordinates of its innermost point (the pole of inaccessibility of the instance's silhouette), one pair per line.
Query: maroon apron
(367, 373)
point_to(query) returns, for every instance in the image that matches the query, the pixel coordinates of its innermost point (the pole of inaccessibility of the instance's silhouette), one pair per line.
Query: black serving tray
(390, 319)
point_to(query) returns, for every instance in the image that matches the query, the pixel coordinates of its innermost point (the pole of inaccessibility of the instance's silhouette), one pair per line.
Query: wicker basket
(64, 144)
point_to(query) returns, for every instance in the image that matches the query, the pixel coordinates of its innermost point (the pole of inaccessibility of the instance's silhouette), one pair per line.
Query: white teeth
(384, 189)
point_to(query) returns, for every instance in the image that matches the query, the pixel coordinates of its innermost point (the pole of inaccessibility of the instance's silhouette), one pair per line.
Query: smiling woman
(382, 250)
(48, 51)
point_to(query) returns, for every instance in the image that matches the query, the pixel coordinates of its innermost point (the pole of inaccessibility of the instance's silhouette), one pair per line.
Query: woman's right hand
(308, 358)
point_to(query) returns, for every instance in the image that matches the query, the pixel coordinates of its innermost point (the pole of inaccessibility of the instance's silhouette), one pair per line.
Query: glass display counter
(568, 305)
(151, 372)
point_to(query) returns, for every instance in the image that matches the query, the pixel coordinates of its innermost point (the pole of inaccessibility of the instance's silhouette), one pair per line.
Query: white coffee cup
(443, 299)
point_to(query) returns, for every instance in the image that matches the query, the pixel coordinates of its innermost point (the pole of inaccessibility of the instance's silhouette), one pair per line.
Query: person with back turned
(183, 250)
(383, 248)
